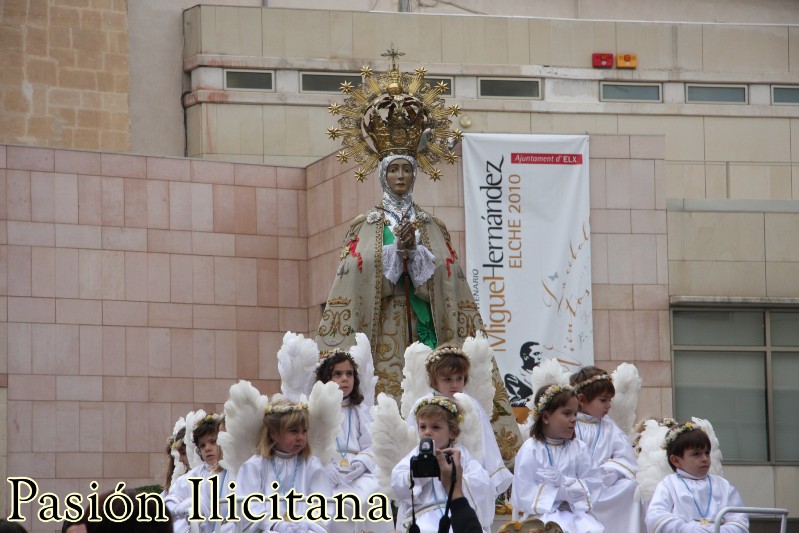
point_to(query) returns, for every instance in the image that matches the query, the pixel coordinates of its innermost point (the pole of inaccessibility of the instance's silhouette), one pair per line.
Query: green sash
(424, 318)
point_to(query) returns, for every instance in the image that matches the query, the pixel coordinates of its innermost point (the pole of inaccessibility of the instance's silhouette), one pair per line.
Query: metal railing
(783, 513)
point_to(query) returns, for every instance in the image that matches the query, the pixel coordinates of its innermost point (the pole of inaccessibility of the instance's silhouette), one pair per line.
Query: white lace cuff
(421, 264)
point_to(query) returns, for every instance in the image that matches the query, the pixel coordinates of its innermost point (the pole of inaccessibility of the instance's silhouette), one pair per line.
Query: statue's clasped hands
(406, 238)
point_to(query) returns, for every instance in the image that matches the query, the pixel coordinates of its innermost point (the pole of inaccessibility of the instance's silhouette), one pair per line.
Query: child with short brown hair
(688, 500)
(617, 506)
(179, 499)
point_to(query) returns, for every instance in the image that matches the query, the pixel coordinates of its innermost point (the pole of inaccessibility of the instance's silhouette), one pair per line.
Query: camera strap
(444, 523)
(413, 527)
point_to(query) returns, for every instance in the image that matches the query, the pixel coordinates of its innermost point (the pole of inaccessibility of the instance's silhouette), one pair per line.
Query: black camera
(425, 464)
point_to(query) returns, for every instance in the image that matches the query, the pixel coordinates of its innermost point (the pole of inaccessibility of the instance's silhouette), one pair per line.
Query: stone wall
(135, 289)
(65, 80)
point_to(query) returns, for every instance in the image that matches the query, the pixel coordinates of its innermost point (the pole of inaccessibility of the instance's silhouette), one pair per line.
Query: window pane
(327, 83)
(510, 88)
(786, 95)
(785, 367)
(726, 328)
(248, 80)
(717, 94)
(729, 389)
(435, 81)
(631, 92)
(785, 329)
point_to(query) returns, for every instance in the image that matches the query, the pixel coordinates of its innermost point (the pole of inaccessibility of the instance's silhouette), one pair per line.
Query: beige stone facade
(65, 78)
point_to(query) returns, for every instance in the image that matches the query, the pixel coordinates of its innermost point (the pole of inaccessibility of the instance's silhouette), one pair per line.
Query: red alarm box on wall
(602, 60)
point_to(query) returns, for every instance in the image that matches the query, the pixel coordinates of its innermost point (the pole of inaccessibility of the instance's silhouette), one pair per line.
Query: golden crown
(395, 113)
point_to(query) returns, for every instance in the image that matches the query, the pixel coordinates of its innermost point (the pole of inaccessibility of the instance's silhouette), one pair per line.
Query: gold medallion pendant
(704, 522)
(344, 463)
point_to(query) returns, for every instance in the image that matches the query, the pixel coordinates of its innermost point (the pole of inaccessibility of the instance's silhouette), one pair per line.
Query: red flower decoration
(451, 259)
(352, 246)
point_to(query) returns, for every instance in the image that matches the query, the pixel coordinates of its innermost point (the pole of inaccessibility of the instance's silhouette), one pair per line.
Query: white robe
(543, 500)
(617, 507)
(357, 448)
(492, 461)
(673, 508)
(305, 475)
(430, 499)
(179, 499)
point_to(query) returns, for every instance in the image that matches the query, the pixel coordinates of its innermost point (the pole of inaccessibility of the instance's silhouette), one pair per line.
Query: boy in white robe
(688, 500)
(179, 500)
(447, 373)
(617, 507)
(437, 418)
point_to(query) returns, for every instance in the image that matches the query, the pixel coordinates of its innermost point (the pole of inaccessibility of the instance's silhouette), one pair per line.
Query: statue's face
(399, 176)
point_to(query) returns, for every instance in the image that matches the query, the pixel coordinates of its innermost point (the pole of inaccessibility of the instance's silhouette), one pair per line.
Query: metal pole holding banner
(752, 510)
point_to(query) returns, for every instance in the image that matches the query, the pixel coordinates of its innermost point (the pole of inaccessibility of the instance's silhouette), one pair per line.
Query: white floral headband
(174, 444)
(594, 379)
(436, 354)
(323, 356)
(549, 393)
(441, 401)
(286, 408)
(676, 431)
(213, 417)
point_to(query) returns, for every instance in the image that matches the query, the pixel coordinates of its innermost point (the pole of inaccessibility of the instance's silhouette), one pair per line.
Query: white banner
(529, 250)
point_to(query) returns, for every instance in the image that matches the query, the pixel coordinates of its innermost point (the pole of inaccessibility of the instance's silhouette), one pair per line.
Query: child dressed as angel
(283, 463)
(180, 498)
(617, 507)
(688, 500)
(438, 418)
(352, 469)
(447, 371)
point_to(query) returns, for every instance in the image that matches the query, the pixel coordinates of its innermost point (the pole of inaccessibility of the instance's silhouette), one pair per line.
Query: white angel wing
(296, 363)
(524, 427)
(244, 418)
(392, 439)
(653, 465)
(627, 383)
(471, 436)
(191, 448)
(324, 410)
(480, 386)
(361, 353)
(180, 468)
(414, 384)
(715, 450)
(549, 372)
(181, 423)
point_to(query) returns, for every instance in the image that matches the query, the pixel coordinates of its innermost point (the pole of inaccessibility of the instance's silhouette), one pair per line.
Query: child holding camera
(422, 497)
(447, 374)
(556, 477)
